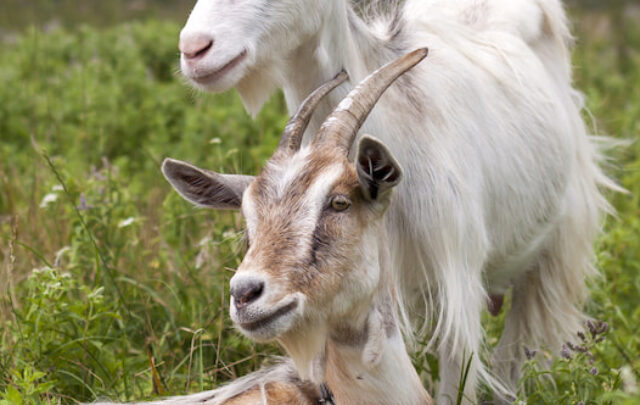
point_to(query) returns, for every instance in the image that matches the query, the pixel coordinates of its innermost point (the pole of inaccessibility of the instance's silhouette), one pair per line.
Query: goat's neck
(358, 350)
(367, 362)
(343, 43)
(363, 358)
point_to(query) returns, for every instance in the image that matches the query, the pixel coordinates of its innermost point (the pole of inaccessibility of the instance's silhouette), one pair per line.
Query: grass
(112, 286)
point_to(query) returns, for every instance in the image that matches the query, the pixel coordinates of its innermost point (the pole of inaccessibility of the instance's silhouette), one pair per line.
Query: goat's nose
(195, 45)
(245, 291)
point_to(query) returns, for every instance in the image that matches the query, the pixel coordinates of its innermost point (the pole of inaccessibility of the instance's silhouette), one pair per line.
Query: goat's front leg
(460, 335)
(454, 377)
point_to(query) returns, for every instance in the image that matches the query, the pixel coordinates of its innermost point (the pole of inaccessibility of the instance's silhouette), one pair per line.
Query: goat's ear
(377, 169)
(205, 188)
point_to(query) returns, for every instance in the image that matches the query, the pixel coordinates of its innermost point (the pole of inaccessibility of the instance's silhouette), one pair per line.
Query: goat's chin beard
(255, 82)
(255, 88)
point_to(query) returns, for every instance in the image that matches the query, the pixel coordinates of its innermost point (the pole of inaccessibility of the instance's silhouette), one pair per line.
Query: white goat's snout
(209, 61)
(195, 45)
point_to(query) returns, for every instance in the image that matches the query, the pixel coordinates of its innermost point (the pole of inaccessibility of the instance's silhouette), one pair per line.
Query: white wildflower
(126, 222)
(48, 199)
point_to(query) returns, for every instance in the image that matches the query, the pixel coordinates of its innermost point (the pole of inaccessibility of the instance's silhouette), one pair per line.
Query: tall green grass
(124, 271)
(112, 286)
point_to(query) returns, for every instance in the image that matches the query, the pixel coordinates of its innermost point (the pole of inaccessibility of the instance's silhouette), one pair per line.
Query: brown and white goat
(318, 276)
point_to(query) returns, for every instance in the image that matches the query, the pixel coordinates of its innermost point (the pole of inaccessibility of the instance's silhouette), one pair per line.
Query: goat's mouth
(208, 77)
(271, 323)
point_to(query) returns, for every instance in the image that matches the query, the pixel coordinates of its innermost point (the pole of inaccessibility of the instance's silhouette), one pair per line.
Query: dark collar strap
(327, 396)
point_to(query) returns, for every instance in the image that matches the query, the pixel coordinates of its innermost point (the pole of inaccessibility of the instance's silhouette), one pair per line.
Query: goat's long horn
(343, 124)
(293, 132)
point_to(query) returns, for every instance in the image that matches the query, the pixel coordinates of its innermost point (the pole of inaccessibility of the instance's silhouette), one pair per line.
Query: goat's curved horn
(293, 132)
(343, 124)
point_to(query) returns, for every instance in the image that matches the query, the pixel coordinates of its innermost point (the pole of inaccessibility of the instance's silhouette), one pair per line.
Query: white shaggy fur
(501, 179)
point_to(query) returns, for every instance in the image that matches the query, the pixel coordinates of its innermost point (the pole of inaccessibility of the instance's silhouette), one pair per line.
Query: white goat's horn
(342, 126)
(293, 132)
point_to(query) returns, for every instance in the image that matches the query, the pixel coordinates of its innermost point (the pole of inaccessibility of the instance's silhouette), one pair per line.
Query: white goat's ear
(205, 188)
(377, 169)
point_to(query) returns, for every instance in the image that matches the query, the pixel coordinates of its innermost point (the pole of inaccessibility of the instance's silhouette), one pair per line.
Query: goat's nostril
(195, 47)
(247, 292)
(204, 49)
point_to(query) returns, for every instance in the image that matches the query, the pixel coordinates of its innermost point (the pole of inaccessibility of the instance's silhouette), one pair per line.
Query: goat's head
(314, 218)
(224, 40)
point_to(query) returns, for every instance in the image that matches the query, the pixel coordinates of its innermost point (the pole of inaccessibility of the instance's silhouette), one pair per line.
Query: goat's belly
(500, 278)
(525, 211)
(502, 270)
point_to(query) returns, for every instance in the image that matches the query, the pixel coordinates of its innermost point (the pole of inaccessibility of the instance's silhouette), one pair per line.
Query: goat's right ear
(378, 171)
(206, 188)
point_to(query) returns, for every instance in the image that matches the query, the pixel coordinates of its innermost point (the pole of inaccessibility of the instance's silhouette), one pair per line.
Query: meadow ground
(112, 286)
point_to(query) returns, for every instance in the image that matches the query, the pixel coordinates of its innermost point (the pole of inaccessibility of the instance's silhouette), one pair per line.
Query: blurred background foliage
(112, 286)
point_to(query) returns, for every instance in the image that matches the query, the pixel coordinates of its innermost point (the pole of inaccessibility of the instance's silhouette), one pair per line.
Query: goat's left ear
(206, 188)
(377, 169)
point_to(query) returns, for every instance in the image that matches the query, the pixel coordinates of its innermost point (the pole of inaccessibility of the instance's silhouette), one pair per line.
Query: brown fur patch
(249, 397)
(278, 392)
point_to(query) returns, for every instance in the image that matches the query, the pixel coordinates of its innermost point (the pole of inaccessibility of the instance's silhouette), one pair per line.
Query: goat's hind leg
(546, 308)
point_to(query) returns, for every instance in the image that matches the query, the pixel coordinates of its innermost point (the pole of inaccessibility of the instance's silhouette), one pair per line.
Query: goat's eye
(340, 203)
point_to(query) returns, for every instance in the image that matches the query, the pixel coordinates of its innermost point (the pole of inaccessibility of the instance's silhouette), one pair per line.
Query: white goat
(318, 272)
(501, 179)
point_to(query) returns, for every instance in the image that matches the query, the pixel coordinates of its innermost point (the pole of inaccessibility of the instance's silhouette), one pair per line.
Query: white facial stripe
(283, 176)
(317, 192)
(287, 173)
(313, 203)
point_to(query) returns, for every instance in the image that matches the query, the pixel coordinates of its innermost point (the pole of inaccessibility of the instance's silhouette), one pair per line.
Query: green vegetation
(112, 286)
